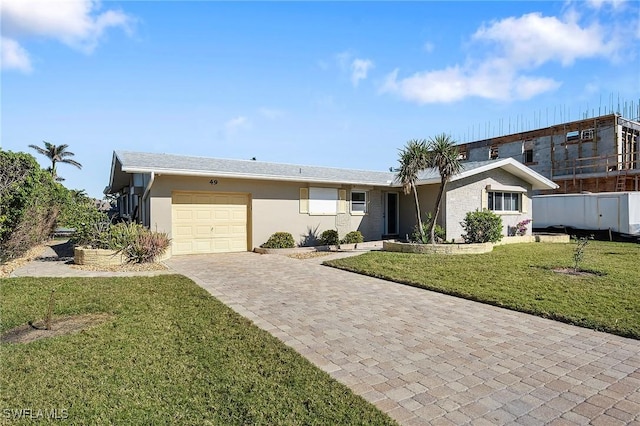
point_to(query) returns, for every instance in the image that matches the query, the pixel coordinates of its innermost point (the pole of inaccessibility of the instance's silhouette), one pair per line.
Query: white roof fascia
(510, 165)
(177, 172)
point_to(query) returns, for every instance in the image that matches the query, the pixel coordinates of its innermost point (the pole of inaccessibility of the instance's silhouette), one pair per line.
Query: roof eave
(207, 173)
(537, 181)
(108, 189)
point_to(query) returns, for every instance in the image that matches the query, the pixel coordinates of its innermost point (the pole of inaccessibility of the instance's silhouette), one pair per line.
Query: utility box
(615, 211)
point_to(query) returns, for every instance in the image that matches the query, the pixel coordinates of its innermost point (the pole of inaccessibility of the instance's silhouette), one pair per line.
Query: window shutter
(342, 201)
(304, 200)
(484, 199)
(524, 203)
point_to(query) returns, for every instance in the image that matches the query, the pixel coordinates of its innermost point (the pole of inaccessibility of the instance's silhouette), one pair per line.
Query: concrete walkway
(427, 358)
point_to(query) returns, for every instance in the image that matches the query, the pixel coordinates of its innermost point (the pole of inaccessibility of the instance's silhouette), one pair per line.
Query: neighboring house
(210, 205)
(597, 154)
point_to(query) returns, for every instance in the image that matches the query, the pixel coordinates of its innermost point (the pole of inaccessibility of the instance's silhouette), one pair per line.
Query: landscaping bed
(163, 352)
(523, 277)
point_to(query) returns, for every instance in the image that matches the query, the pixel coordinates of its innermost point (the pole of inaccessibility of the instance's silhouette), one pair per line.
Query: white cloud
(235, 124)
(533, 39)
(79, 23)
(598, 4)
(359, 70)
(518, 46)
(455, 83)
(13, 56)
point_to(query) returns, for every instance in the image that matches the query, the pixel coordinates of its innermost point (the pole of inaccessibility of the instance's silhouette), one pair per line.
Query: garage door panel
(222, 214)
(202, 246)
(221, 230)
(238, 245)
(182, 231)
(239, 215)
(209, 223)
(203, 214)
(181, 247)
(202, 232)
(238, 229)
(183, 215)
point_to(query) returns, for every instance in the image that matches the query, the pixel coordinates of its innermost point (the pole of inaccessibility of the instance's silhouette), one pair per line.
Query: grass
(171, 354)
(520, 277)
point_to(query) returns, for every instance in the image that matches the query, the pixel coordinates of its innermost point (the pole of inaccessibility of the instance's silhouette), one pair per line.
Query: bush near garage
(329, 238)
(353, 237)
(280, 240)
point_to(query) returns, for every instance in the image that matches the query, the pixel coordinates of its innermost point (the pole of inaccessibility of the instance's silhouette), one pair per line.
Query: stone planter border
(400, 247)
(102, 257)
(98, 257)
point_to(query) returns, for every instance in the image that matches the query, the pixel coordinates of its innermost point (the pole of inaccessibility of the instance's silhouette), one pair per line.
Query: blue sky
(341, 84)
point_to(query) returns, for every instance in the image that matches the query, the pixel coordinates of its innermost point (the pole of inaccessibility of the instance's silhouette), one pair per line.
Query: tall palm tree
(413, 159)
(57, 154)
(443, 155)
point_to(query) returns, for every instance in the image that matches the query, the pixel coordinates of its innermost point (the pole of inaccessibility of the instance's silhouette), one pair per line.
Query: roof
(537, 181)
(171, 164)
(125, 162)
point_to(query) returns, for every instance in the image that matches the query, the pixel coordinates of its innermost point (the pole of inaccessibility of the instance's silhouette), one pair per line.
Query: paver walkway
(52, 263)
(427, 358)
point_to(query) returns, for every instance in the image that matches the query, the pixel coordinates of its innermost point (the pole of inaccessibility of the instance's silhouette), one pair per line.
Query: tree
(57, 154)
(30, 201)
(443, 155)
(413, 159)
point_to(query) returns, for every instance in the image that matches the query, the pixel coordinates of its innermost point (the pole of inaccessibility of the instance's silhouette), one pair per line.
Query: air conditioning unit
(587, 134)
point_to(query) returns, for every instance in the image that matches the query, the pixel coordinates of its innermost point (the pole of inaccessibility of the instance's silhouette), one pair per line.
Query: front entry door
(391, 216)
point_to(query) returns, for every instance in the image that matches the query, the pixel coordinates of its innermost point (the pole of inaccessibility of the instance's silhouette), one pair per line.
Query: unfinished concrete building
(600, 154)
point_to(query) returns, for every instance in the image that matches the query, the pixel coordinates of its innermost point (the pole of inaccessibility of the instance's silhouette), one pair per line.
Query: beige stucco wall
(274, 206)
(465, 195)
(462, 196)
(427, 195)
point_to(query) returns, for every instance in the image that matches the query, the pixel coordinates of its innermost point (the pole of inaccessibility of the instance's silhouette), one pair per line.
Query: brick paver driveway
(427, 358)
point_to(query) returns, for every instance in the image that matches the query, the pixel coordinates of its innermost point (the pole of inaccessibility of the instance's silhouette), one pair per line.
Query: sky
(340, 84)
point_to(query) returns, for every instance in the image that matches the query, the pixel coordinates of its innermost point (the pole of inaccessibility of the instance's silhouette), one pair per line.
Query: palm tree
(57, 154)
(443, 155)
(413, 159)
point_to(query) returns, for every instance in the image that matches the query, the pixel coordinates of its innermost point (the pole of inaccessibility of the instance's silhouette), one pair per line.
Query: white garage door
(208, 223)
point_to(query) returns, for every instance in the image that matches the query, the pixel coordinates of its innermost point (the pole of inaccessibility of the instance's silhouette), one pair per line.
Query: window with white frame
(323, 201)
(358, 202)
(504, 201)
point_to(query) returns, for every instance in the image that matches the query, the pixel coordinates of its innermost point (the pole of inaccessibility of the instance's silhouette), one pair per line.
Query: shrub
(353, 237)
(91, 226)
(146, 247)
(93, 231)
(124, 234)
(578, 252)
(311, 238)
(330, 238)
(520, 229)
(440, 233)
(30, 201)
(280, 240)
(482, 227)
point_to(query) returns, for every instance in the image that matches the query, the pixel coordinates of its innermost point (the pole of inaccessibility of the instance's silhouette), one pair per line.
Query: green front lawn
(520, 277)
(171, 354)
